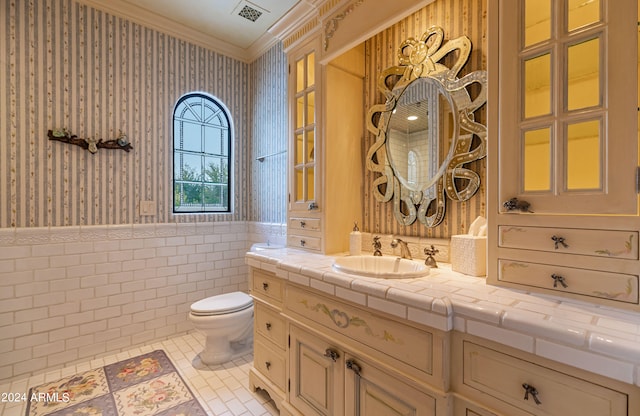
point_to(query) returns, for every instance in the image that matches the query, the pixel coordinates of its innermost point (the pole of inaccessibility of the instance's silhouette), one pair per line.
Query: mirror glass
(419, 133)
(426, 131)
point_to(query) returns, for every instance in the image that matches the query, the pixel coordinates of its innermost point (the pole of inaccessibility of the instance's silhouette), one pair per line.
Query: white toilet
(227, 322)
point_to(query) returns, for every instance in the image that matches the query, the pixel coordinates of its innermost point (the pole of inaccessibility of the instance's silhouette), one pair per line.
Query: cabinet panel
(537, 389)
(463, 407)
(370, 391)
(402, 342)
(302, 223)
(317, 375)
(270, 325)
(304, 241)
(269, 362)
(266, 286)
(604, 243)
(617, 287)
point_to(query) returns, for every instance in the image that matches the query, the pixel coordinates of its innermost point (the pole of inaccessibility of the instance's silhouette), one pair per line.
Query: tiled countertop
(598, 339)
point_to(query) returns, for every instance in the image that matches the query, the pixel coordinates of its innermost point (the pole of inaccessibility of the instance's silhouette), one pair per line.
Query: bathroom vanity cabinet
(342, 359)
(317, 354)
(563, 116)
(490, 378)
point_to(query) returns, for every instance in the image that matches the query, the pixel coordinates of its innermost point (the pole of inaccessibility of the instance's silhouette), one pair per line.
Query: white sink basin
(381, 267)
(265, 246)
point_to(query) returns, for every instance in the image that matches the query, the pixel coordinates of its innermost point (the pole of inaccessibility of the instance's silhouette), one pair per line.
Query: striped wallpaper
(457, 18)
(64, 64)
(268, 179)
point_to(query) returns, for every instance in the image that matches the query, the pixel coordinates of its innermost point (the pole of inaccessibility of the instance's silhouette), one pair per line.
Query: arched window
(201, 155)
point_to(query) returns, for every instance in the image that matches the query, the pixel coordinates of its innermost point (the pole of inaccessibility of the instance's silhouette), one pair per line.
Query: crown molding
(303, 11)
(162, 24)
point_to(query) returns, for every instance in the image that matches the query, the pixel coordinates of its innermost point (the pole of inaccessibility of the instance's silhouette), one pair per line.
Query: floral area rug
(145, 385)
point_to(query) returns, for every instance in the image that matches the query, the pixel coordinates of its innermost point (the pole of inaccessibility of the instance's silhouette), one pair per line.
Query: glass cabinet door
(303, 189)
(568, 136)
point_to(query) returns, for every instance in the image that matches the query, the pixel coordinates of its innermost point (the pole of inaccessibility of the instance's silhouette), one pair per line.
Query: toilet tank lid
(225, 303)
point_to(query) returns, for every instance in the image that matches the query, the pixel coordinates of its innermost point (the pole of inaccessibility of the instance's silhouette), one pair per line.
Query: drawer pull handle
(312, 206)
(265, 285)
(559, 241)
(559, 279)
(331, 353)
(302, 243)
(268, 325)
(530, 390)
(267, 364)
(353, 366)
(303, 224)
(514, 204)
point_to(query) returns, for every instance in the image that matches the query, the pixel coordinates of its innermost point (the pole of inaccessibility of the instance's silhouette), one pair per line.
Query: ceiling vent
(250, 13)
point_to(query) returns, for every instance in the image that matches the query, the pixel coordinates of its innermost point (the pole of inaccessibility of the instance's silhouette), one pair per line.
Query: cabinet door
(317, 375)
(567, 118)
(304, 102)
(370, 391)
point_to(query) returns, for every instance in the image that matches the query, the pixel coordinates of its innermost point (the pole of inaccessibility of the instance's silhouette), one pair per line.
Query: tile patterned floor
(222, 390)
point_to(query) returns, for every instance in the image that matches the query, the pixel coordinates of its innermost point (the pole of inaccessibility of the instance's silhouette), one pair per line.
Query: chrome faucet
(405, 253)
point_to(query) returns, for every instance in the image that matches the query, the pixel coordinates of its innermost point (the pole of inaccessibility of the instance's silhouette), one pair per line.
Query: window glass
(537, 21)
(537, 160)
(201, 155)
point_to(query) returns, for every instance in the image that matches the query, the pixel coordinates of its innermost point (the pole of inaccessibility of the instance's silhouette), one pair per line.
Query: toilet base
(219, 350)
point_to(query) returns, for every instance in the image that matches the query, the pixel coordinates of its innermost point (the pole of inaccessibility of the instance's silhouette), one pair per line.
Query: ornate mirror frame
(421, 59)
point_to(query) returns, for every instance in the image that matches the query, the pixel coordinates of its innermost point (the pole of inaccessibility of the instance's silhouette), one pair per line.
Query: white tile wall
(71, 294)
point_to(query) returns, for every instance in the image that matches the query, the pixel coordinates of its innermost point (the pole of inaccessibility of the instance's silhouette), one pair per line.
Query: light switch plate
(147, 207)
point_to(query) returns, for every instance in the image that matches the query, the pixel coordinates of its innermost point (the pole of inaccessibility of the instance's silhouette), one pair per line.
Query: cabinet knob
(530, 390)
(267, 364)
(557, 279)
(331, 353)
(559, 241)
(312, 206)
(303, 224)
(268, 325)
(265, 285)
(302, 243)
(353, 366)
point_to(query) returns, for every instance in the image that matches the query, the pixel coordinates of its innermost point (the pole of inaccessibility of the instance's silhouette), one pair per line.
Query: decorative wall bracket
(332, 25)
(91, 144)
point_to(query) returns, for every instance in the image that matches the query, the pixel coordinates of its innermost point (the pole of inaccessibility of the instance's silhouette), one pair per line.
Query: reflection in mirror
(419, 133)
(426, 130)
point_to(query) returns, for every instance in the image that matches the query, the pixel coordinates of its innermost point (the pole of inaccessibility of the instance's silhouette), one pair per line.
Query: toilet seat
(222, 304)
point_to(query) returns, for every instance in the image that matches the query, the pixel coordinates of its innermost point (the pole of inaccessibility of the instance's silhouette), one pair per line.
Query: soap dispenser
(355, 241)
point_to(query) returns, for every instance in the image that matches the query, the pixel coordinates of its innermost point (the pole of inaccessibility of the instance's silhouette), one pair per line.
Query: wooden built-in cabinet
(325, 152)
(563, 149)
(316, 354)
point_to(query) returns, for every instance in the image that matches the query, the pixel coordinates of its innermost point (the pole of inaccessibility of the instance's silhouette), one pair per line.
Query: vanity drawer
(266, 286)
(617, 287)
(270, 325)
(503, 376)
(402, 342)
(304, 241)
(602, 243)
(269, 363)
(298, 223)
